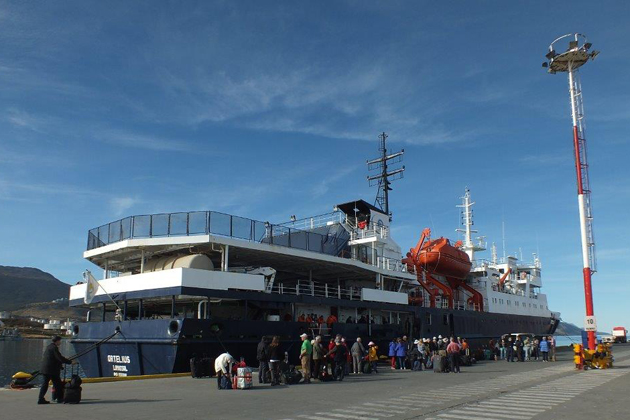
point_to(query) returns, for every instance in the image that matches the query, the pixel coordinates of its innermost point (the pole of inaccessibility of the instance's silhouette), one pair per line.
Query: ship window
(428, 318)
(509, 303)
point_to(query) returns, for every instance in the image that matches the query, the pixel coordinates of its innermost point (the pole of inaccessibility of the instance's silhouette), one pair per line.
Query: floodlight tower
(570, 61)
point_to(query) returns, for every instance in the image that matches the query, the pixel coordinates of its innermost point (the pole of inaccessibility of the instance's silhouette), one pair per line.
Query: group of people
(318, 359)
(421, 353)
(529, 348)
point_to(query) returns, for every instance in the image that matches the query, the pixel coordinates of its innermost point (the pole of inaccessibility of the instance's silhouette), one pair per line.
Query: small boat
(440, 257)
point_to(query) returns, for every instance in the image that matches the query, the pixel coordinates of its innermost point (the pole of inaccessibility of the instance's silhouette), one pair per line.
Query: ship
(180, 285)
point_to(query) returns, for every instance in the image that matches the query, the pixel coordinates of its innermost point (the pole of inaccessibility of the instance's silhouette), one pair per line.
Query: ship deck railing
(318, 289)
(226, 225)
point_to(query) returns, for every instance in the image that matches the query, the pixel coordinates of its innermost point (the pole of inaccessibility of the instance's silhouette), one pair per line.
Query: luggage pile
(243, 378)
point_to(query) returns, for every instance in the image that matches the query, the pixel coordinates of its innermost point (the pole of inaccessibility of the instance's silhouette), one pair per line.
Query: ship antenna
(503, 237)
(384, 177)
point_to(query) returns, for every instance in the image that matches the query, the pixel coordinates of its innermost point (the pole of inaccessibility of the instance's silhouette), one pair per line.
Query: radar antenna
(384, 177)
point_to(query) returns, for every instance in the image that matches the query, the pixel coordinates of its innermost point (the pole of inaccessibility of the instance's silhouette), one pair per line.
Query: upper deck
(321, 240)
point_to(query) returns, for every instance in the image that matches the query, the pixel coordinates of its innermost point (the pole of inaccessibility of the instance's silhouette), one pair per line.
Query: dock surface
(486, 391)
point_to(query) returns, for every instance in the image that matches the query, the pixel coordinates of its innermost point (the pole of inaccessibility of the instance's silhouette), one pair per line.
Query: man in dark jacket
(52, 363)
(339, 354)
(262, 354)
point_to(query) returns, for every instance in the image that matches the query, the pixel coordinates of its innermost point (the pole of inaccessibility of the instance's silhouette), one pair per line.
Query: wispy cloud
(120, 205)
(545, 159)
(323, 186)
(614, 254)
(140, 141)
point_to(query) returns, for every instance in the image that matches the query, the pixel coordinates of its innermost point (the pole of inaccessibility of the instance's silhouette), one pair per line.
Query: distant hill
(20, 286)
(50, 310)
(566, 328)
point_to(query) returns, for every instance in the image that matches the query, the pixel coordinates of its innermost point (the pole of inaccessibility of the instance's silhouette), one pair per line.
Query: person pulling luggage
(223, 367)
(52, 363)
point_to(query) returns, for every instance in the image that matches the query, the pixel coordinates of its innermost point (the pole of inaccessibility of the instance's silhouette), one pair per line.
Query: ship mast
(467, 221)
(570, 61)
(384, 177)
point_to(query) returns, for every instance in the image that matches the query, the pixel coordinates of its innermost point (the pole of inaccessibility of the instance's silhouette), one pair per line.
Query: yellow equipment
(600, 358)
(22, 375)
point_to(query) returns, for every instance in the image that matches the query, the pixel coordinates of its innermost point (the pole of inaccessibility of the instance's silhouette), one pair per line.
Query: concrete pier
(488, 390)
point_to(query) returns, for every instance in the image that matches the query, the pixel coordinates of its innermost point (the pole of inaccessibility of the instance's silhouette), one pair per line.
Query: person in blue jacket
(392, 352)
(544, 349)
(401, 353)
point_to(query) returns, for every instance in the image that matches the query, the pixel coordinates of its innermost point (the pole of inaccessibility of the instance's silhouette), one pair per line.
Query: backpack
(225, 383)
(291, 377)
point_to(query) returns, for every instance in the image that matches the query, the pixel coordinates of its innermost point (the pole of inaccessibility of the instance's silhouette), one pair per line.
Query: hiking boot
(43, 402)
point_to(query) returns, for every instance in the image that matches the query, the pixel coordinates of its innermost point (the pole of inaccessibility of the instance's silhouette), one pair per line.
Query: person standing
(223, 367)
(503, 348)
(544, 349)
(453, 350)
(552, 347)
(305, 357)
(339, 354)
(275, 358)
(262, 354)
(392, 352)
(527, 346)
(401, 353)
(509, 350)
(518, 349)
(318, 357)
(358, 351)
(52, 363)
(535, 351)
(373, 356)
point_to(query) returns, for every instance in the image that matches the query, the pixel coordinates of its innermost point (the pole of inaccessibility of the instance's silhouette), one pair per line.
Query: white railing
(372, 230)
(313, 222)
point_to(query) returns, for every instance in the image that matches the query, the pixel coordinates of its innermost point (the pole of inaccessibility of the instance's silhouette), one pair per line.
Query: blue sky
(269, 109)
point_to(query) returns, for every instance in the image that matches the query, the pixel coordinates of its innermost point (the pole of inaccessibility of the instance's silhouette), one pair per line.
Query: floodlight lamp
(551, 54)
(594, 54)
(573, 44)
(588, 45)
(544, 64)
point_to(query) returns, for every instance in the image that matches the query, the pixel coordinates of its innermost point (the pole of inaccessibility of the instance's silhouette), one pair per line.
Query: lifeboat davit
(442, 258)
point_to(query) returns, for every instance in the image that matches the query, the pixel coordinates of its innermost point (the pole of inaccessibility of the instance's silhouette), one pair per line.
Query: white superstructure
(508, 285)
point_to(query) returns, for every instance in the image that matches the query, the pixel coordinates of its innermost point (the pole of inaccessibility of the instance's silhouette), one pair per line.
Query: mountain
(20, 286)
(566, 328)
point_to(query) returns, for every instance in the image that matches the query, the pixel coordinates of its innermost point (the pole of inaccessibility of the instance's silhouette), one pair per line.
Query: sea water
(25, 356)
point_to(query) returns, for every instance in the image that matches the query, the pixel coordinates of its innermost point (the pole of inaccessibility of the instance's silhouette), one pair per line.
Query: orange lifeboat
(442, 258)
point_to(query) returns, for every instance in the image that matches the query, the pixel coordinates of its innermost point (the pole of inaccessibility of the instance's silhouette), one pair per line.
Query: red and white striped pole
(570, 61)
(581, 165)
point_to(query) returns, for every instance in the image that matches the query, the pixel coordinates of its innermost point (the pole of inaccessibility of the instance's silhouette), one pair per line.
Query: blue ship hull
(145, 347)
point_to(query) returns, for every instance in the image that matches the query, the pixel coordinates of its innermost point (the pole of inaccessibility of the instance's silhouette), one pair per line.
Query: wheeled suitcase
(439, 364)
(72, 391)
(367, 367)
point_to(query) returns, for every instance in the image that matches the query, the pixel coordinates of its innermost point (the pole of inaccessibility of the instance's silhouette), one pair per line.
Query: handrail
(222, 224)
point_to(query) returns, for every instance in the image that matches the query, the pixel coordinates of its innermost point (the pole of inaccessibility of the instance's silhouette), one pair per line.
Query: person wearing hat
(373, 355)
(52, 363)
(223, 367)
(305, 358)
